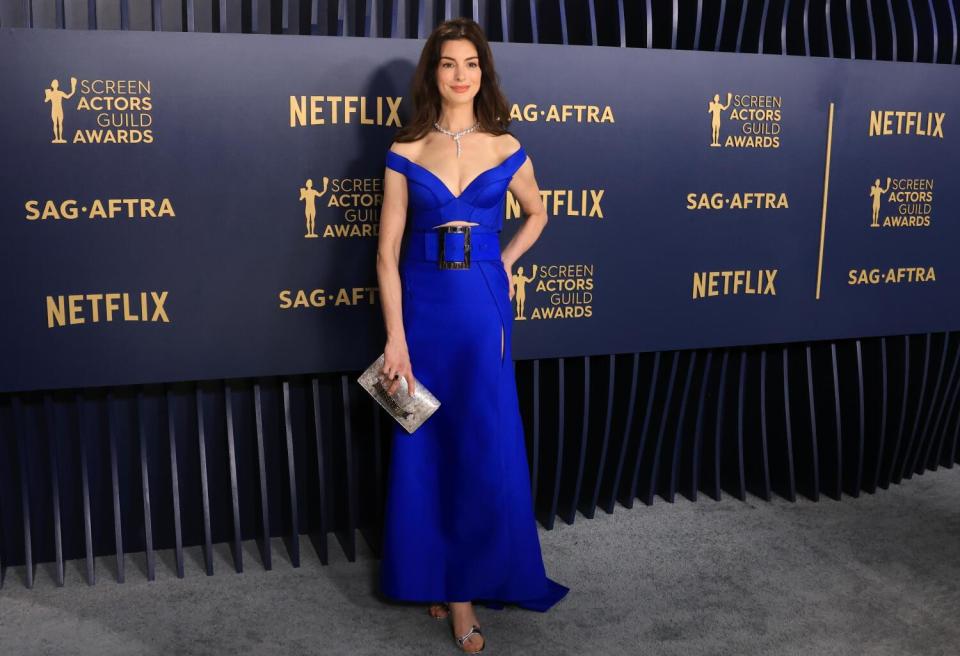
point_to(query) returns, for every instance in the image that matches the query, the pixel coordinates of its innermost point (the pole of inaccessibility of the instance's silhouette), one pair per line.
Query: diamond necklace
(456, 135)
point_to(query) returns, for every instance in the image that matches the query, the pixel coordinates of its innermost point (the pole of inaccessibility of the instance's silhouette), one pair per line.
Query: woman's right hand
(396, 364)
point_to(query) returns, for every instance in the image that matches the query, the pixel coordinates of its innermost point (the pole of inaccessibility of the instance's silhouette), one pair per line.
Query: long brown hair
(489, 105)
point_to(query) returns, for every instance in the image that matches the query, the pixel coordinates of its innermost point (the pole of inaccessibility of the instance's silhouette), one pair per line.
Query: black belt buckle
(444, 263)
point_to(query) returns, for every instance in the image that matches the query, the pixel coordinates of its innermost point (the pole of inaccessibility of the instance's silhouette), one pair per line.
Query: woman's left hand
(506, 267)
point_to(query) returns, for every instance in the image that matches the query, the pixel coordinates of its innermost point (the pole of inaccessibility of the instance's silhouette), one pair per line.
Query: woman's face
(458, 73)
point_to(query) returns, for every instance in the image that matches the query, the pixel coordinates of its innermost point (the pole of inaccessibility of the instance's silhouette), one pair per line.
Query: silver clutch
(409, 411)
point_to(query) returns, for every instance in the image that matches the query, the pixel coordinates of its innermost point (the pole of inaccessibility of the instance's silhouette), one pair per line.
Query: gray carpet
(875, 575)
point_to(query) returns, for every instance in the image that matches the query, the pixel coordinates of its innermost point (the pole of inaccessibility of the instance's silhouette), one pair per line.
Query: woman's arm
(524, 188)
(393, 217)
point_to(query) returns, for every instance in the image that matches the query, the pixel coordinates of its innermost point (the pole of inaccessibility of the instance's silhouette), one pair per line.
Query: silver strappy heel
(473, 630)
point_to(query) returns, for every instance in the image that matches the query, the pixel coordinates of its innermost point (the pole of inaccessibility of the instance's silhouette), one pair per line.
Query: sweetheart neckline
(469, 184)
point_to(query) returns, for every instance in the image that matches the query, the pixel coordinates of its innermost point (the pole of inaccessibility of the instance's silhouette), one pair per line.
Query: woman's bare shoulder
(508, 143)
(408, 149)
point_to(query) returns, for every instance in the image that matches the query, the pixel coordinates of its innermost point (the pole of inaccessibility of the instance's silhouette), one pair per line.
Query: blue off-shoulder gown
(459, 523)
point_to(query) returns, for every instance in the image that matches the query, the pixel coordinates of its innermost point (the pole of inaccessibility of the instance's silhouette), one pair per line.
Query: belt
(453, 247)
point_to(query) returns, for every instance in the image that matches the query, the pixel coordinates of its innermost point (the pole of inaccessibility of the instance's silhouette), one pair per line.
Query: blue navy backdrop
(238, 417)
(696, 200)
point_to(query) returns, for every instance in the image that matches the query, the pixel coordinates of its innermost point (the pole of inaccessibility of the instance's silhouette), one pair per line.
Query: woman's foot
(439, 611)
(464, 621)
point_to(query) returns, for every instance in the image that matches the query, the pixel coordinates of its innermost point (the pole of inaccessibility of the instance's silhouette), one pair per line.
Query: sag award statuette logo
(107, 111)
(309, 196)
(756, 120)
(910, 203)
(560, 291)
(714, 108)
(876, 192)
(351, 207)
(519, 282)
(55, 97)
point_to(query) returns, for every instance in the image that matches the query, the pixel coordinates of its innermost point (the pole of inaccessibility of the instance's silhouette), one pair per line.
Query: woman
(459, 520)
